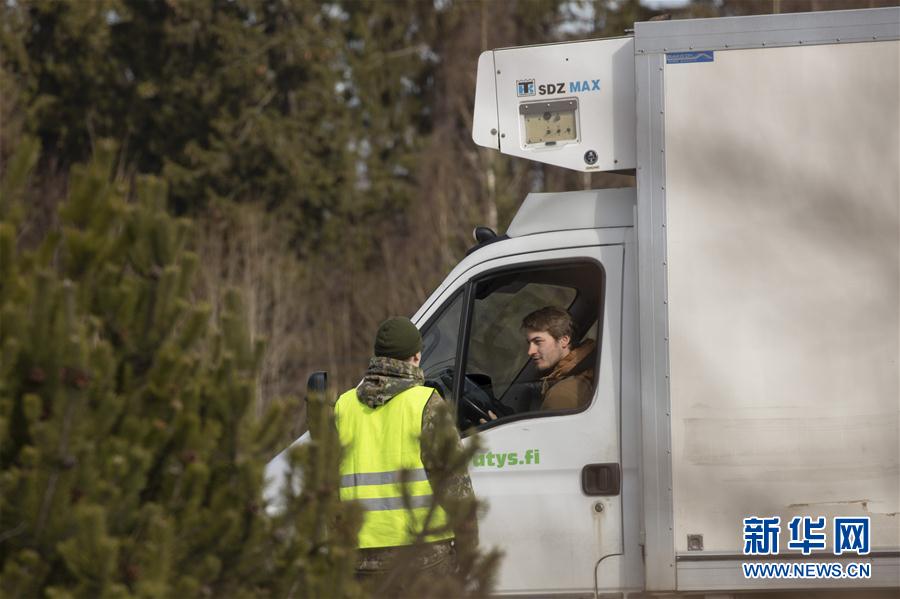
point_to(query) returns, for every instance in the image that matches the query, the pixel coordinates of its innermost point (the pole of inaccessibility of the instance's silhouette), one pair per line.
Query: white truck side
(749, 362)
(744, 299)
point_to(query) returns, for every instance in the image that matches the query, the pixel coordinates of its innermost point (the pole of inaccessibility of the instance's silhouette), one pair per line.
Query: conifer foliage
(129, 461)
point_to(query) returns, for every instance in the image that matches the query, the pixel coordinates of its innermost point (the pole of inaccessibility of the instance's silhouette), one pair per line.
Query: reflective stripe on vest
(382, 459)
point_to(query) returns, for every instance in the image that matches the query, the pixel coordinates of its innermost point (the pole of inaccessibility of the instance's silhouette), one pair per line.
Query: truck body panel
(804, 321)
(768, 224)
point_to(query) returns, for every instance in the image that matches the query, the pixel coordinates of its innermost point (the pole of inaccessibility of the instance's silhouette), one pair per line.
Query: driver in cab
(568, 371)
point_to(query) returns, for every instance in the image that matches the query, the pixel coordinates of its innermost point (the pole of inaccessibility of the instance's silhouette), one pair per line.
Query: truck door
(551, 478)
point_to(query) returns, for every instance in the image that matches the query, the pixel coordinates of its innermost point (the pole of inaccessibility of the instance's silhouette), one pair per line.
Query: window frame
(465, 322)
(459, 293)
(467, 291)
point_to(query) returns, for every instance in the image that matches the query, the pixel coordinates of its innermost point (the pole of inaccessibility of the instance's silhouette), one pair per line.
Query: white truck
(744, 299)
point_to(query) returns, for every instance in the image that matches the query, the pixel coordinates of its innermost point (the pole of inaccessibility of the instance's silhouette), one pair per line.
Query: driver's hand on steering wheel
(491, 414)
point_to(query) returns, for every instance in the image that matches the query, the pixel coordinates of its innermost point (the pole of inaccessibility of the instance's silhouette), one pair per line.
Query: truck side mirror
(318, 410)
(317, 382)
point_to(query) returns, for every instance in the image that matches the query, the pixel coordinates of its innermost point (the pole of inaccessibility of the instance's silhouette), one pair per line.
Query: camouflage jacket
(384, 379)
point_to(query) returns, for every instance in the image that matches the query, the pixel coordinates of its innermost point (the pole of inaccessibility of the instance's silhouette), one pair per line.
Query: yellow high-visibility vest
(379, 443)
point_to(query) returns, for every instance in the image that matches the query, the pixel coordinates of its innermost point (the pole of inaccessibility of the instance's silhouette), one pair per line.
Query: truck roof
(571, 210)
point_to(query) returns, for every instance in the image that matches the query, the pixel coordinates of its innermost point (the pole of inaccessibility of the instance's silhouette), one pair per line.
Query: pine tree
(223, 99)
(130, 460)
(130, 463)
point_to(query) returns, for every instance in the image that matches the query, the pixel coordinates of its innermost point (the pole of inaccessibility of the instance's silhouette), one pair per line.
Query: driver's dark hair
(551, 319)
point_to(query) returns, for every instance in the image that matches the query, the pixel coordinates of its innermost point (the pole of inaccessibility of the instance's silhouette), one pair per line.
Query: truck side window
(439, 343)
(499, 375)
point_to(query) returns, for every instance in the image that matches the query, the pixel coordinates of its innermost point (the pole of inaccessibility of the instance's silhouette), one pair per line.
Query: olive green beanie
(397, 338)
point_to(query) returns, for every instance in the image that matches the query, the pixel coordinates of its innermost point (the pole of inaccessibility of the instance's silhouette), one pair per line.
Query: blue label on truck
(683, 57)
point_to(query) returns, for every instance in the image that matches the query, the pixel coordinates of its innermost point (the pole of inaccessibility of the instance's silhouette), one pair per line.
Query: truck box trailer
(739, 311)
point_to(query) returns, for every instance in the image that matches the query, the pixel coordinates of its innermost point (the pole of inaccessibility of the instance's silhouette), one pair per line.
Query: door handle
(601, 479)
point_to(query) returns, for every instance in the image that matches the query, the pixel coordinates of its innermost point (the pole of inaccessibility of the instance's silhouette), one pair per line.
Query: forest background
(202, 202)
(322, 149)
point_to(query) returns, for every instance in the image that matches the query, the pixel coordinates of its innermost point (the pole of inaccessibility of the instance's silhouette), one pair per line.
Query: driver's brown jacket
(569, 384)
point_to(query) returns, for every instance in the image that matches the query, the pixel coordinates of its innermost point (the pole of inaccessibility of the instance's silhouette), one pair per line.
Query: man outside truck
(387, 425)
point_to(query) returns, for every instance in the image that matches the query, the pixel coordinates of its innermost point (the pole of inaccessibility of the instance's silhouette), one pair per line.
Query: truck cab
(554, 480)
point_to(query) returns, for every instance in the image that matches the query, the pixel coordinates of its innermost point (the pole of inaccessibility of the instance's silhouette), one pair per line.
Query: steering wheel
(477, 396)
